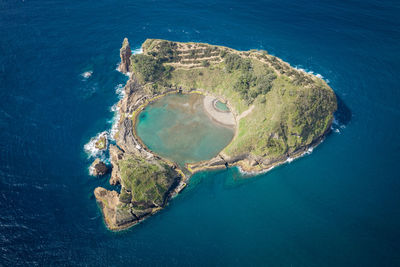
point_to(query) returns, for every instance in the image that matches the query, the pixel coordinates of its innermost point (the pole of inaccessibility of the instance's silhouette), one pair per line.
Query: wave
(91, 149)
(311, 72)
(288, 160)
(336, 126)
(86, 75)
(119, 90)
(137, 51)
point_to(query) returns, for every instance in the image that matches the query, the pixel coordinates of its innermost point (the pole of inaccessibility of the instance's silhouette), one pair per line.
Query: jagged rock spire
(125, 54)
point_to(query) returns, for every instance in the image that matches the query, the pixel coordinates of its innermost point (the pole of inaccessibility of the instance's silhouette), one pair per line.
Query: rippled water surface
(338, 206)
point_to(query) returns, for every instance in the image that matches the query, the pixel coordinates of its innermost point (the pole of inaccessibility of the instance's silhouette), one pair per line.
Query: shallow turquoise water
(221, 106)
(177, 127)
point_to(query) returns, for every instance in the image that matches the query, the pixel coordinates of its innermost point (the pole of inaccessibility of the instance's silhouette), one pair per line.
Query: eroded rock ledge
(279, 112)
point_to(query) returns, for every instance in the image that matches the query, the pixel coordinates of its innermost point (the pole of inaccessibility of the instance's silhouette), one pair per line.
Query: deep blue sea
(339, 206)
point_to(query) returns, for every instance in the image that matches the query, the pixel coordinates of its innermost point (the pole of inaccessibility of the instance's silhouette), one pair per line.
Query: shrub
(235, 62)
(150, 69)
(232, 62)
(250, 86)
(205, 63)
(222, 53)
(166, 51)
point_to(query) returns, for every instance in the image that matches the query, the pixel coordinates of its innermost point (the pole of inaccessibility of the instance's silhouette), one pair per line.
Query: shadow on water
(343, 113)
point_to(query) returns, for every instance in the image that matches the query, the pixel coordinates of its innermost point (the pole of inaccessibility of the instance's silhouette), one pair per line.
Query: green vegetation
(235, 62)
(250, 86)
(149, 68)
(166, 51)
(143, 183)
(289, 108)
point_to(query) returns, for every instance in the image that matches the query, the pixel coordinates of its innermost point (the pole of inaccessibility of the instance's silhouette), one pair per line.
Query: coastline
(135, 96)
(249, 170)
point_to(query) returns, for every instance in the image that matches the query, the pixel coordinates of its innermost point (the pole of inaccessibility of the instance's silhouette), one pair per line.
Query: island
(278, 112)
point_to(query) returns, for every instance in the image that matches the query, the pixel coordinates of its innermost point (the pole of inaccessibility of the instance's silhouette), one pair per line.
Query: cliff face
(125, 54)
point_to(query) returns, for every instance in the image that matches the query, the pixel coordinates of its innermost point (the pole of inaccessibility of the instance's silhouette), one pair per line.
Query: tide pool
(221, 106)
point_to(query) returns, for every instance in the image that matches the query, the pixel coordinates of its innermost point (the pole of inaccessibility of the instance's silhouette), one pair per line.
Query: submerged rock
(98, 168)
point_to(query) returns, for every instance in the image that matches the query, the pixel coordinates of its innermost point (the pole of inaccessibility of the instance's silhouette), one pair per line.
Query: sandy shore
(225, 118)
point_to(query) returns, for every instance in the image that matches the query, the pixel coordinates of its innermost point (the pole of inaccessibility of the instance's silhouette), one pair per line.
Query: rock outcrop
(98, 168)
(115, 155)
(125, 54)
(116, 218)
(146, 186)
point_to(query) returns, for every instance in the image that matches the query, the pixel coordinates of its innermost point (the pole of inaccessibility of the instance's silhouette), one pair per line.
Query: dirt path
(245, 113)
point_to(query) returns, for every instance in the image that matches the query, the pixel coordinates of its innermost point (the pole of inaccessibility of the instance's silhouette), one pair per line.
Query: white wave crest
(311, 72)
(288, 160)
(119, 90)
(87, 74)
(137, 51)
(90, 147)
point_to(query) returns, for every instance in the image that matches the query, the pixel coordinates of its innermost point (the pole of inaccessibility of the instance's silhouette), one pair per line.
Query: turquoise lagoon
(178, 128)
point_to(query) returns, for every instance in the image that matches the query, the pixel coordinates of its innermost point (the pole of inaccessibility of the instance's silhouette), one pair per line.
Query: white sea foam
(337, 126)
(137, 51)
(87, 74)
(90, 147)
(114, 125)
(119, 90)
(311, 72)
(288, 160)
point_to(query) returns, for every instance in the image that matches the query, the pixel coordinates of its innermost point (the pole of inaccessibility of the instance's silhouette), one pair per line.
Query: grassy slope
(144, 183)
(288, 117)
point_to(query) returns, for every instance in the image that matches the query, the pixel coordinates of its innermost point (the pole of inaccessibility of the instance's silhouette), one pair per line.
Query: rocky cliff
(125, 54)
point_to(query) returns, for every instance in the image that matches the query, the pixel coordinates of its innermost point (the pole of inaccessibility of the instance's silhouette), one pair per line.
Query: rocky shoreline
(147, 180)
(249, 165)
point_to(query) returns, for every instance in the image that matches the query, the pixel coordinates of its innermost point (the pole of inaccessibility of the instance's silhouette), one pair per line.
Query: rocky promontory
(98, 168)
(278, 112)
(125, 54)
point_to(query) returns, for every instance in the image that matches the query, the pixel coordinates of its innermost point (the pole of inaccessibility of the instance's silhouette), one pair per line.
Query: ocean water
(338, 206)
(178, 128)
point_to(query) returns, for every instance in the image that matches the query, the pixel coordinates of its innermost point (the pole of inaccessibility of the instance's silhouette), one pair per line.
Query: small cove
(177, 127)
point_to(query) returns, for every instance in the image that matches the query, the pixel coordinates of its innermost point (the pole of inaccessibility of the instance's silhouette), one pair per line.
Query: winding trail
(245, 113)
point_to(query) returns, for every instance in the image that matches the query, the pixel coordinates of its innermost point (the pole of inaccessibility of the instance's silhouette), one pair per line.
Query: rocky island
(278, 112)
